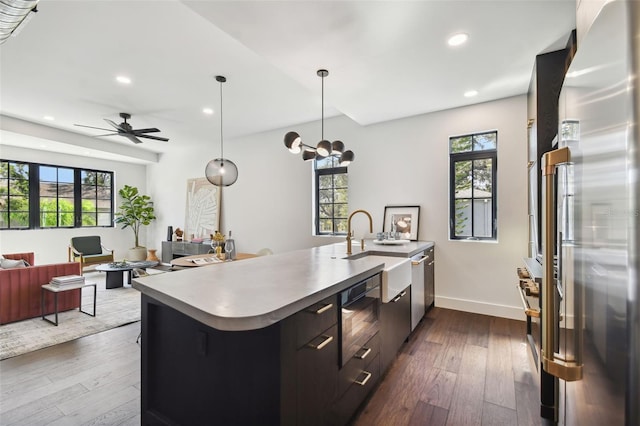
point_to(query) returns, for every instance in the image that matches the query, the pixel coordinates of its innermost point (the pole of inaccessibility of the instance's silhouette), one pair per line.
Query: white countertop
(255, 293)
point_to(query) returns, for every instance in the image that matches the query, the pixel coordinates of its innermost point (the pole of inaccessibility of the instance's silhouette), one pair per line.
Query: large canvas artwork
(203, 208)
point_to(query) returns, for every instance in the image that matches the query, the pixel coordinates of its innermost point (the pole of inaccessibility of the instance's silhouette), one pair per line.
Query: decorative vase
(137, 254)
(152, 257)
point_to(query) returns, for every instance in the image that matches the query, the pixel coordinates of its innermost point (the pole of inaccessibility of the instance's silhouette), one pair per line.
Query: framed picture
(403, 219)
(203, 208)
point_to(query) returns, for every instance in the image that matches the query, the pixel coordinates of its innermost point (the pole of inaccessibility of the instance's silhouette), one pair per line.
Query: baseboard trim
(503, 311)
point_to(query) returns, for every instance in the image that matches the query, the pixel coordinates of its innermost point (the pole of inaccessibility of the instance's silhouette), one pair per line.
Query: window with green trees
(14, 195)
(472, 184)
(40, 196)
(332, 197)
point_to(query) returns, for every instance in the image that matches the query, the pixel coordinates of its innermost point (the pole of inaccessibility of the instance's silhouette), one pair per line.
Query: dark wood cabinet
(362, 385)
(192, 374)
(429, 279)
(285, 374)
(315, 361)
(356, 379)
(395, 319)
(542, 117)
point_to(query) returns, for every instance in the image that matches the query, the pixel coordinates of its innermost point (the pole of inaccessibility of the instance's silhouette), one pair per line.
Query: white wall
(402, 162)
(50, 245)
(471, 276)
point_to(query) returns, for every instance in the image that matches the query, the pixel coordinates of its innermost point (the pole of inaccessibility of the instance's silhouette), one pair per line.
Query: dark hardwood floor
(456, 369)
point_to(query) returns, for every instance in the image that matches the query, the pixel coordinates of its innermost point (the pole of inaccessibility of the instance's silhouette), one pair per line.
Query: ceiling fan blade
(117, 126)
(131, 137)
(155, 138)
(149, 130)
(106, 134)
(91, 127)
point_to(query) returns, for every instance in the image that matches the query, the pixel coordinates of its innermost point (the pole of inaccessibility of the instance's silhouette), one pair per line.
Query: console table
(175, 249)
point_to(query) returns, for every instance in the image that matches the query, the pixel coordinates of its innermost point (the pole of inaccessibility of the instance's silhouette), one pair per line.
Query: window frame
(35, 196)
(318, 172)
(472, 155)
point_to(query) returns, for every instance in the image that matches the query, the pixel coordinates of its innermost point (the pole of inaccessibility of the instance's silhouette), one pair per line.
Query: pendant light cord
(322, 121)
(221, 138)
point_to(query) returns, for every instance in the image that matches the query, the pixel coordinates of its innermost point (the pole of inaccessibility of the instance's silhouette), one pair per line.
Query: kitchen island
(257, 341)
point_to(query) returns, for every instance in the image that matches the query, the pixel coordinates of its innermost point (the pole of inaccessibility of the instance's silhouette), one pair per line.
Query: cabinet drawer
(347, 404)
(317, 378)
(359, 363)
(310, 322)
(430, 255)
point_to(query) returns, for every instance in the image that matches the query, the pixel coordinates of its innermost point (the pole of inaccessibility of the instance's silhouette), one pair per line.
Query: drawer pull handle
(398, 297)
(325, 342)
(365, 380)
(365, 354)
(325, 308)
(528, 310)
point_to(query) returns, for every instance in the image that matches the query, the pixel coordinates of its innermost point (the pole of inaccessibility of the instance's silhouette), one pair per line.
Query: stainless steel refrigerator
(591, 229)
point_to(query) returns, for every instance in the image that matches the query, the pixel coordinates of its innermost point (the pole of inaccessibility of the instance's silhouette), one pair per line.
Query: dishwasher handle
(418, 262)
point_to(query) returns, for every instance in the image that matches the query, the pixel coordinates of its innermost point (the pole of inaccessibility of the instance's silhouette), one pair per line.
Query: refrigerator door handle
(553, 363)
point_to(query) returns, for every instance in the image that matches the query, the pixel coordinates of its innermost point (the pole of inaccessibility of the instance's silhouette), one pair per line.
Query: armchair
(89, 251)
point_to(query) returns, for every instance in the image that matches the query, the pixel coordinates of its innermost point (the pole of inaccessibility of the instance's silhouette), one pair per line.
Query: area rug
(115, 307)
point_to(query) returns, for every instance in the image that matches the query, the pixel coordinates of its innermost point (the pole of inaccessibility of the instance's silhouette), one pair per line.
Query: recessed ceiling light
(123, 79)
(208, 111)
(48, 118)
(470, 93)
(458, 39)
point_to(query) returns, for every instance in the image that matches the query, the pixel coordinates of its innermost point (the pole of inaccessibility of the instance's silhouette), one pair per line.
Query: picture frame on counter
(402, 219)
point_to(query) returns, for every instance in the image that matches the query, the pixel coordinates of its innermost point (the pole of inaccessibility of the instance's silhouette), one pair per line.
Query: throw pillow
(10, 264)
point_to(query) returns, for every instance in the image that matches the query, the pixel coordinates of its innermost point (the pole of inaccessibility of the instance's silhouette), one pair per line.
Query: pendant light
(220, 171)
(324, 148)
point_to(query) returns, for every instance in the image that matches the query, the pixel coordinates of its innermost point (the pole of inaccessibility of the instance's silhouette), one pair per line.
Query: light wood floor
(457, 369)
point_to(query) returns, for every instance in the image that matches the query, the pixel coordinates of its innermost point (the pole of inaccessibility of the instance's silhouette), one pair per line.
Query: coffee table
(114, 273)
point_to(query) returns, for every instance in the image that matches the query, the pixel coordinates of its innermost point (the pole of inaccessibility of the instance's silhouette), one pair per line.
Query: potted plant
(136, 210)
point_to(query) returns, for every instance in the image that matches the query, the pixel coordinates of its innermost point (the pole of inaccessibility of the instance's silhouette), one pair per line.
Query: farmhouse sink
(396, 275)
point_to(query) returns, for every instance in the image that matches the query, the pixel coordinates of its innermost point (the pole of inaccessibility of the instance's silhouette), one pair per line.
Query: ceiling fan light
(346, 158)
(337, 148)
(323, 149)
(293, 141)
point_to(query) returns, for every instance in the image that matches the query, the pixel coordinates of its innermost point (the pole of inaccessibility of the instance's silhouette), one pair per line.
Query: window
(472, 186)
(56, 197)
(96, 198)
(34, 196)
(332, 197)
(14, 195)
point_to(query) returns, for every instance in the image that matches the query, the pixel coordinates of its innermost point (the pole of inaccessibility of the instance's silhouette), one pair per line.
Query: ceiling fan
(125, 129)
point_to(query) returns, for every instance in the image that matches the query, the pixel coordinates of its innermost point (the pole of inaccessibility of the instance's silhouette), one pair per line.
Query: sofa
(20, 288)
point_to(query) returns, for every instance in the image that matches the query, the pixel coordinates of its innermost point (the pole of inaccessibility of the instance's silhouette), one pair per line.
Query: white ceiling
(386, 60)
